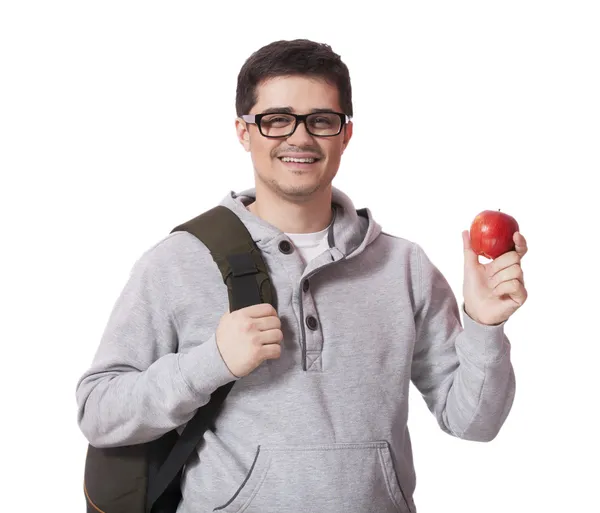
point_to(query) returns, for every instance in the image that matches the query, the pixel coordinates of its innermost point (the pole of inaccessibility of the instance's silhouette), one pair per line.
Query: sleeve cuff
(481, 342)
(203, 368)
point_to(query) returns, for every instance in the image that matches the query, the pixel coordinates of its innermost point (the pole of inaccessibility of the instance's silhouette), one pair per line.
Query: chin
(296, 191)
(294, 184)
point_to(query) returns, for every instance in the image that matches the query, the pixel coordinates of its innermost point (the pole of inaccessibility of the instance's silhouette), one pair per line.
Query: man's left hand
(494, 291)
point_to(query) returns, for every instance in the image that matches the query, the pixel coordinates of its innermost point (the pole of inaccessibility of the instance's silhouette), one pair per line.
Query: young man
(317, 417)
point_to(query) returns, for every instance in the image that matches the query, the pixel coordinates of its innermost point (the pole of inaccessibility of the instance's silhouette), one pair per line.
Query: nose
(300, 136)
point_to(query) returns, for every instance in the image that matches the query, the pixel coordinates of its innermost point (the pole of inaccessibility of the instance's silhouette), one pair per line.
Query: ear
(242, 133)
(347, 135)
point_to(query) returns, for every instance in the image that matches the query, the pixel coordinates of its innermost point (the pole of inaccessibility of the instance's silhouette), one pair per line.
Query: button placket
(291, 262)
(313, 334)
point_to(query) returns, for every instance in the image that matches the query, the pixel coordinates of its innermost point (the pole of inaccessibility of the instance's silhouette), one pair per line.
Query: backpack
(145, 478)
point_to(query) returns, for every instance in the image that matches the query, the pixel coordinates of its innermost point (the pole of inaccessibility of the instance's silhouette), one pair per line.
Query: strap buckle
(242, 264)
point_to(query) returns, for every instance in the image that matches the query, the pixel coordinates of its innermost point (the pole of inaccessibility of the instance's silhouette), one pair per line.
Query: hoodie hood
(351, 230)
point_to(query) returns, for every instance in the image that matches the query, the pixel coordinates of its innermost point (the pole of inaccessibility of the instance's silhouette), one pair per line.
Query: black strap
(244, 270)
(245, 291)
(186, 444)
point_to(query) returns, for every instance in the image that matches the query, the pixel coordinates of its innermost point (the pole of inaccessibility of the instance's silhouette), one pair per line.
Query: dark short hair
(288, 58)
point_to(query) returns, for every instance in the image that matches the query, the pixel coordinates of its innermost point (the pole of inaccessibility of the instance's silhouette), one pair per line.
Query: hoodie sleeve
(464, 374)
(138, 386)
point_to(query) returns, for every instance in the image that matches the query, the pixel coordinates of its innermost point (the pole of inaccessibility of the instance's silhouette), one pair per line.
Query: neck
(307, 216)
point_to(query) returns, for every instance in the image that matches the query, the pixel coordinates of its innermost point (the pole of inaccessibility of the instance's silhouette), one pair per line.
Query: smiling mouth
(294, 160)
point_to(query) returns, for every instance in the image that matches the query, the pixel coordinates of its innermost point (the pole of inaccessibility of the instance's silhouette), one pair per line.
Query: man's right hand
(249, 336)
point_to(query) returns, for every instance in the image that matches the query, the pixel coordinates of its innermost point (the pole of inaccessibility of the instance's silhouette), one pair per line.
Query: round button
(285, 247)
(305, 286)
(311, 322)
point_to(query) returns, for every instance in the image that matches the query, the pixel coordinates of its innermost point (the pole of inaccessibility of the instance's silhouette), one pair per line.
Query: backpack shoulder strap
(235, 253)
(247, 279)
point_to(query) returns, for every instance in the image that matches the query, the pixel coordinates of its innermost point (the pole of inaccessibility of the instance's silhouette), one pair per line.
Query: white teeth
(303, 161)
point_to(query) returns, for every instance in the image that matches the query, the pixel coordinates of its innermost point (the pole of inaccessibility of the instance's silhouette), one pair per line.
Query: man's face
(294, 181)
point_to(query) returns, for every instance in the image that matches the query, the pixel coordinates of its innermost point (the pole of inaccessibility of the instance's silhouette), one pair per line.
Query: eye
(277, 120)
(321, 121)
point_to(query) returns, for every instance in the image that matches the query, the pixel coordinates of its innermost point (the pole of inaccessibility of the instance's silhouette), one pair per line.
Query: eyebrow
(289, 110)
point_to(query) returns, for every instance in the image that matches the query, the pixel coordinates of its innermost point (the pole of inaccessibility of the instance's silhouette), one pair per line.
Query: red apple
(492, 233)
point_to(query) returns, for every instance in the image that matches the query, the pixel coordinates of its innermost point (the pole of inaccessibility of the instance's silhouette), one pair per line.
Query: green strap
(245, 274)
(231, 244)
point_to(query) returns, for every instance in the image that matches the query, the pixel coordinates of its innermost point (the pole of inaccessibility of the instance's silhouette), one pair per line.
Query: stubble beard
(296, 193)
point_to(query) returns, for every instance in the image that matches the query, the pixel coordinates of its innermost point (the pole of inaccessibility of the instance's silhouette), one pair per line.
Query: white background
(117, 123)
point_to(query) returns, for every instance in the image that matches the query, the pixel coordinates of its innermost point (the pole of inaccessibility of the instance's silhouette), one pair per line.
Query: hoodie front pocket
(336, 478)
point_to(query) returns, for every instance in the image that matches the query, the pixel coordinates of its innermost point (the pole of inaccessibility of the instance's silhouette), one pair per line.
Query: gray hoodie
(324, 427)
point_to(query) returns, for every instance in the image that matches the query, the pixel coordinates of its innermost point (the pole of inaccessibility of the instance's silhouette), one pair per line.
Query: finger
(513, 288)
(520, 244)
(270, 337)
(267, 323)
(513, 272)
(470, 255)
(258, 311)
(502, 262)
(270, 352)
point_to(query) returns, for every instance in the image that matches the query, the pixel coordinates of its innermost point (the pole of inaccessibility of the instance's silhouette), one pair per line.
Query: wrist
(480, 320)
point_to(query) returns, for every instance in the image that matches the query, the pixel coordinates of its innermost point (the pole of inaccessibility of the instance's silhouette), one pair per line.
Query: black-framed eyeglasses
(283, 124)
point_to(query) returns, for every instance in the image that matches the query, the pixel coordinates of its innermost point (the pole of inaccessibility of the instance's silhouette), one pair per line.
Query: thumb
(470, 255)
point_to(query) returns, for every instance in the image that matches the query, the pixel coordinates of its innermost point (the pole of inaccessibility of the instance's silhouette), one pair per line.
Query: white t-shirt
(310, 245)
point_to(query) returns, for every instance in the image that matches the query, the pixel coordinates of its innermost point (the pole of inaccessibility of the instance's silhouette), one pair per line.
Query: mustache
(280, 151)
